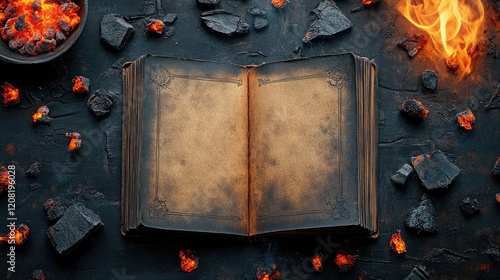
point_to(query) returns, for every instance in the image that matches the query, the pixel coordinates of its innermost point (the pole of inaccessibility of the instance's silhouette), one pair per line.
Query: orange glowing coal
(76, 141)
(466, 119)
(4, 178)
(80, 84)
(317, 263)
(497, 198)
(368, 2)
(41, 114)
(33, 27)
(279, 3)
(10, 95)
(453, 25)
(188, 261)
(397, 244)
(16, 236)
(156, 27)
(272, 274)
(345, 262)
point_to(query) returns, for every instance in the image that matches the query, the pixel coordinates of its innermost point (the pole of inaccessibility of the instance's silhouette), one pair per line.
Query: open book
(288, 146)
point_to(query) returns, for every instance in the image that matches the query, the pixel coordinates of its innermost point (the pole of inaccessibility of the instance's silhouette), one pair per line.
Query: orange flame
(368, 2)
(76, 141)
(345, 262)
(156, 26)
(188, 261)
(37, 26)
(43, 111)
(317, 263)
(79, 85)
(10, 94)
(279, 3)
(4, 178)
(20, 235)
(397, 244)
(452, 24)
(263, 274)
(466, 119)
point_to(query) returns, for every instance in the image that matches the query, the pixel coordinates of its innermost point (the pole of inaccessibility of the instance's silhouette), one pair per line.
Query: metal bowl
(9, 55)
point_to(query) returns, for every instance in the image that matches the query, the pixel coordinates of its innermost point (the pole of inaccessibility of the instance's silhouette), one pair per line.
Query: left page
(194, 150)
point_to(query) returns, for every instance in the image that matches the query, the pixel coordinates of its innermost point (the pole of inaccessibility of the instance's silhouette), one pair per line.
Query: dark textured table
(93, 176)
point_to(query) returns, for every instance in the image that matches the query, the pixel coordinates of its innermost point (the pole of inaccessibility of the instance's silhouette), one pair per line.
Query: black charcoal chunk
(419, 272)
(496, 5)
(402, 174)
(169, 31)
(224, 22)
(430, 80)
(414, 109)
(435, 170)
(55, 208)
(76, 225)
(115, 31)
(422, 217)
(256, 11)
(496, 167)
(470, 206)
(260, 22)
(494, 102)
(414, 44)
(169, 18)
(329, 21)
(100, 102)
(494, 254)
(34, 170)
(208, 3)
(37, 275)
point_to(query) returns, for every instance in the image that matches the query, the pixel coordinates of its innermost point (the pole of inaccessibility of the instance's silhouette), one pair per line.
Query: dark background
(93, 176)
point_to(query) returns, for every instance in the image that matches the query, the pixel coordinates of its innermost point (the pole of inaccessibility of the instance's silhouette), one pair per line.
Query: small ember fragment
(76, 225)
(402, 174)
(497, 198)
(414, 44)
(100, 102)
(466, 119)
(115, 31)
(422, 217)
(368, 2)
(224, 22)
(414, 108)
(470, 207)
(188, 261)
(430, 80)
(329, 21)
(452, 63)
(4, 178)
(418, 272)
(317, 263)
(435, 170)
(16, 236)
(272, 274)
(280, 3)
(496, 167)
(155, 26)
(42, 115)
(397, 244)
(495, 99)
(80, 84)
(76, 141)
(345, 262)
(10, 95)
(34, 170)
(55, 208)
(37, 275)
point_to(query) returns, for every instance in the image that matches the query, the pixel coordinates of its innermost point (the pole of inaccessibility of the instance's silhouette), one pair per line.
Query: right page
(303, 160)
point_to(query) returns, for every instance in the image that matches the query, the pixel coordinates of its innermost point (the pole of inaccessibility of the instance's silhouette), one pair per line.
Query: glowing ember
(497, 198)
(188, 261)
(453, 26)
(273, 274)
(16, 236)
(280, 3)
(36, 26)
(76, 141)
(345, 262)
(80, 84)
(155, 26)
(397, 244)
(414, 108)
(466, 119)
(4, 178)
(41, 115)
(10, 95)
(368, 2)
(317, 263)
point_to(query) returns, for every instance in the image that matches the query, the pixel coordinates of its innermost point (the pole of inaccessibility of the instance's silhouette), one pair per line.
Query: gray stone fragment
(224, 22)
(76, 225)
(256, 11)
(55, 208)
(470, 206)
(169, 18)
(169, 31)
(100, 102)
(402, 174)
(208, 3)
(329, 21)
(419, 272)
(115, 31)
(422, 217)
(430, 80)
(34, 170)
(260, 22)
(435, 170)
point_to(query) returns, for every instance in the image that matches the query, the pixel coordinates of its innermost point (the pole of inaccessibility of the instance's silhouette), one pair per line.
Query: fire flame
(188, 261)
(466, 119)
(453, 26)
(4, 178)
(397, 244)
(156, 26)
(79, 85)
(20, 235)
(42, 112)
(263, 274)
(76, 141)
(279, 3)
(10, 94)
(37, 26)
(317, 263)
(345, 262)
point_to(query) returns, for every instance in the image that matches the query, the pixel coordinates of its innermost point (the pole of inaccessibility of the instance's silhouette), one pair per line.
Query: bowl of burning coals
(37, 31)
